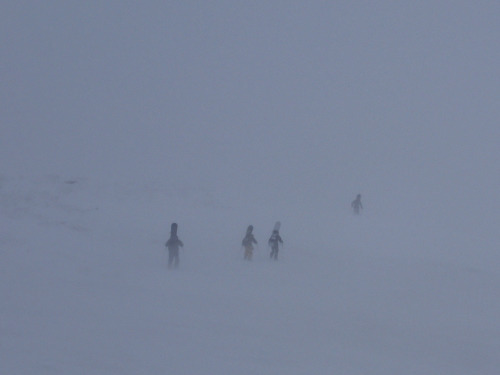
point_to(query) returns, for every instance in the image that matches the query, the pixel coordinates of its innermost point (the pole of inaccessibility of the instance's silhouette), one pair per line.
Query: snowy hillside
(85, 289)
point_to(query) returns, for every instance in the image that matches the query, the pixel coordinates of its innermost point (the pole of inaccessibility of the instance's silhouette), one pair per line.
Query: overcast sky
(292, 101)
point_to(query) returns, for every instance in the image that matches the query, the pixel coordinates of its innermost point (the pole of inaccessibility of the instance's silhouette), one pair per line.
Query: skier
(248, 242)
(274, 242)
(356, 204)
(172, 245)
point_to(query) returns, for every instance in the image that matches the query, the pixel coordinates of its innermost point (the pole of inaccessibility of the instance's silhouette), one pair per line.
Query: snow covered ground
(85, 288)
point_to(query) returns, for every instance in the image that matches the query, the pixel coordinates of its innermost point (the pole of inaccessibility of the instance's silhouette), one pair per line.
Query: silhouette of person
(172, 245)
(248, 242)
(357, 205)
(274, 242)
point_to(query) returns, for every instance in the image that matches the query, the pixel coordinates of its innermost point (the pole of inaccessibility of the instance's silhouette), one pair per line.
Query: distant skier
(248, 242)
(172, 245)
(356, 204)
(274, 242)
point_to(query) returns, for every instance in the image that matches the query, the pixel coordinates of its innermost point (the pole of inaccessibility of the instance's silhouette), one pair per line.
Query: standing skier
(274, 242)
(172, 245)
(248, 242)
(356, 204)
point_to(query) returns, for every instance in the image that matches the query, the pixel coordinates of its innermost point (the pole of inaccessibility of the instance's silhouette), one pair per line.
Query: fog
(267, 111)
(297, 106)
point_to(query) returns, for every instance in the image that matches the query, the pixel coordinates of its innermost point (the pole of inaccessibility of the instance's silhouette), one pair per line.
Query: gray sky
(291, 101)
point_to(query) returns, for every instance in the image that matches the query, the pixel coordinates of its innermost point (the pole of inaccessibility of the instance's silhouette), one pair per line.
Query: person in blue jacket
(274, 242)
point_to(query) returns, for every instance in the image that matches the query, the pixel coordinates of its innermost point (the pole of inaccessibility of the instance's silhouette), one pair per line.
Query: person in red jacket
(248, 242)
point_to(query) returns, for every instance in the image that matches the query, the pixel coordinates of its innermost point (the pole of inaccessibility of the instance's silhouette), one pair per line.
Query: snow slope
(85, 288)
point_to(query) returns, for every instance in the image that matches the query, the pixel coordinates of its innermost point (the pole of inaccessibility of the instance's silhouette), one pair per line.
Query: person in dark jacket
(274, 242)
(173, 245)
(248, 242)
(356, 204)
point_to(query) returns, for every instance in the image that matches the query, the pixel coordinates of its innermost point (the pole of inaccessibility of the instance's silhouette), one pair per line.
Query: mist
(249, 113)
